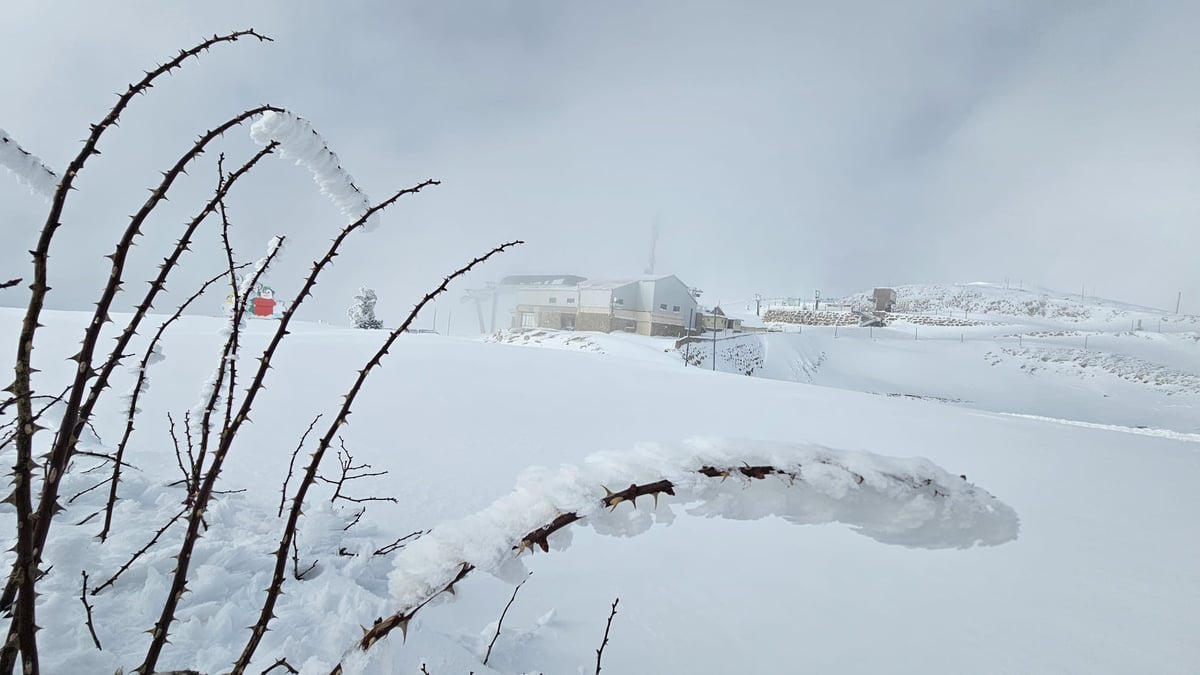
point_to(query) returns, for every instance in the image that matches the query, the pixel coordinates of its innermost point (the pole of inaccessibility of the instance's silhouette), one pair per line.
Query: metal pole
(1178, 297)
(687, 346)
(714, 345)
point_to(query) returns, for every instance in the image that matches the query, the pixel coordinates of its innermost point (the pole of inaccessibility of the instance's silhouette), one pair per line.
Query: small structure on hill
(716, 320)
(885, 299)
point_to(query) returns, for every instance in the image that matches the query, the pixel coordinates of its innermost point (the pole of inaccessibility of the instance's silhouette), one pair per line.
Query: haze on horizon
(784, 147)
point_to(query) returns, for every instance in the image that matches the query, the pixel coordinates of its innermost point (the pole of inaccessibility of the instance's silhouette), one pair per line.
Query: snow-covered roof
(617, 283)
(541, 280)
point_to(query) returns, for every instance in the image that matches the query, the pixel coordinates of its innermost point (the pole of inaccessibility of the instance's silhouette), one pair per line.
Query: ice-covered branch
(27, 168)
(298, 141)
(909, 502)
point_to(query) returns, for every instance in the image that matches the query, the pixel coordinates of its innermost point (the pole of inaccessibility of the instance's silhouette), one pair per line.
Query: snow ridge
(300, 142)
(27, 167)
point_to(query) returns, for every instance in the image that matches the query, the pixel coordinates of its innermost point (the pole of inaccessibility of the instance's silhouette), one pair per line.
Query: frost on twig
(26, 167)
(298, 141)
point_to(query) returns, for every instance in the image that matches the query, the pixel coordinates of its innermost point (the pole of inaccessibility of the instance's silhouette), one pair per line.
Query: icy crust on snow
(27, 167)
(300, 142)
(908, 502)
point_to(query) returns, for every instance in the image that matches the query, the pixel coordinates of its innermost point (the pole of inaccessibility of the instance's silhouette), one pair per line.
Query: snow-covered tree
(362, 312)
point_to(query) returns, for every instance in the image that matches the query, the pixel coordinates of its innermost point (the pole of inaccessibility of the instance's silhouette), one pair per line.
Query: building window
(663, 306)
(528, 320)
(619, 301)
(554, 301)
(675, 308)
(570, 301)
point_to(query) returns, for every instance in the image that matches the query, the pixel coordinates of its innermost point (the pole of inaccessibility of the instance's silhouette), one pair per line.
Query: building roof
(542, 280)
(617, 283)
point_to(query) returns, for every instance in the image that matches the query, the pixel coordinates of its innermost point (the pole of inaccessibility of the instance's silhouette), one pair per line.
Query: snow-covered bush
(362, 312)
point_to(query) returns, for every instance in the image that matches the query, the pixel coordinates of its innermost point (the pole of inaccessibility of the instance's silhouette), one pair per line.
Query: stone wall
(593, 321)
(809, 317)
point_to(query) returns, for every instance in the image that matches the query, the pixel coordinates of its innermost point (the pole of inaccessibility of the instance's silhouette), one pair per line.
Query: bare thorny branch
(32, 526)
(139, 385)
(539, 538)
(341, 419)
(204, 493)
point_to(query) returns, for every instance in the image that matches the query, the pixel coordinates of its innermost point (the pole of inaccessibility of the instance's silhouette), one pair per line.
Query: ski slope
(1100, 577)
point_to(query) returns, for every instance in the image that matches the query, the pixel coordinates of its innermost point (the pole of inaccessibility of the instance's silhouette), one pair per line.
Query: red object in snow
(264, 307)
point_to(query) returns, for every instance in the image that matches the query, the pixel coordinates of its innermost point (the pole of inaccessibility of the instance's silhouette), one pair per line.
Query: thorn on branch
(281, 663)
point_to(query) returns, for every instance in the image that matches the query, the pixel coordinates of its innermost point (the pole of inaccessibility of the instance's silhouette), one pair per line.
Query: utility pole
(714, 345)
(1178, 297)
(817, 301)
(687, 346)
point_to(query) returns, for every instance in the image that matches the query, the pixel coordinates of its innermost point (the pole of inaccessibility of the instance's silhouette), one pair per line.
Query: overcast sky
(784, 146)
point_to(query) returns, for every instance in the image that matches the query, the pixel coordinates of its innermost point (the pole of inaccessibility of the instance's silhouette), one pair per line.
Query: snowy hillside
(1025, 304)
(1099, 577)
(1089, 365)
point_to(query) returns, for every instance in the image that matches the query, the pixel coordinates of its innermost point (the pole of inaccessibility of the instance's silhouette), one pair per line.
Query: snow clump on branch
(27, 168)
(300, 142)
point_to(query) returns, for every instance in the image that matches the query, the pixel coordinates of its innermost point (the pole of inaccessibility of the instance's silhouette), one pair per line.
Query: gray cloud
(787, 146)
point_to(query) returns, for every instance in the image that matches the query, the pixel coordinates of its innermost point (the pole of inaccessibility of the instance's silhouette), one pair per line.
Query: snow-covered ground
(1100, 577)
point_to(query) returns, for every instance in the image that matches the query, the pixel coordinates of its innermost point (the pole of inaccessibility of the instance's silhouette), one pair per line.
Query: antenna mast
(653, 245)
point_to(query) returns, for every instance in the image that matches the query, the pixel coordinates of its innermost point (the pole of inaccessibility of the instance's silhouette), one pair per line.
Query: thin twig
(401, 543)
(84, 492)
(292, 466)
(178, 452)
(346, 461)
(137, 555)
(500, 623)
(10, 283)
(296, 562)
(88, 608)
(600, 652)
(357, 517)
